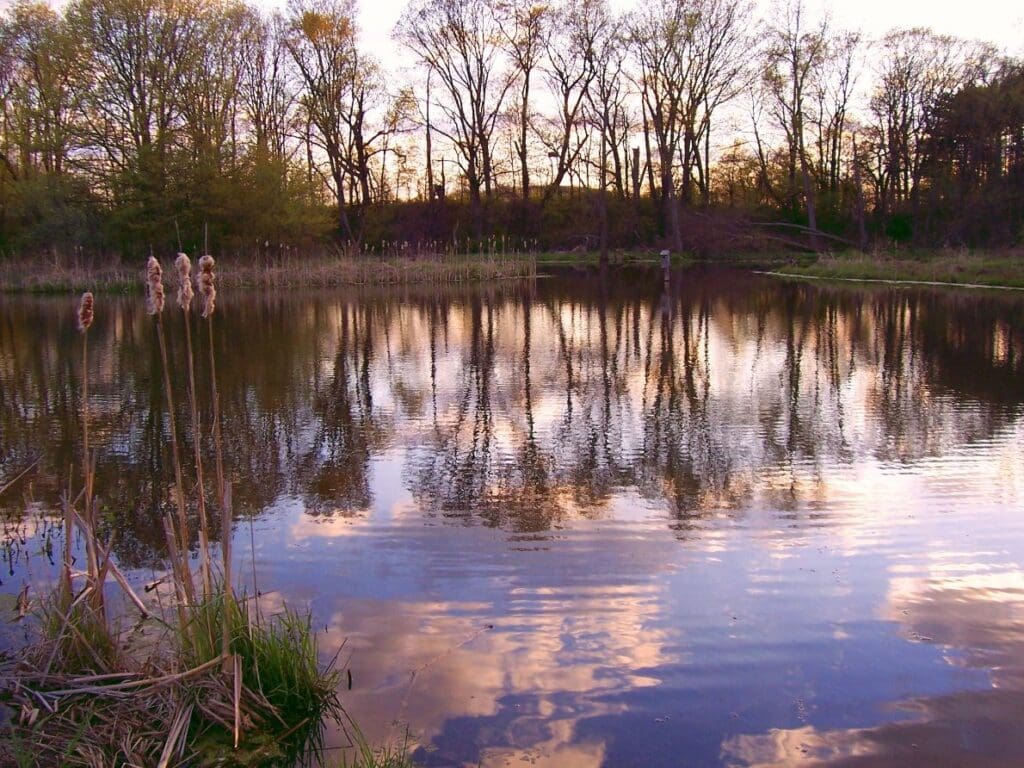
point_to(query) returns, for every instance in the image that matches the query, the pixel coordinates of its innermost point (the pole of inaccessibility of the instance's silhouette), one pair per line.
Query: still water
(735, 521)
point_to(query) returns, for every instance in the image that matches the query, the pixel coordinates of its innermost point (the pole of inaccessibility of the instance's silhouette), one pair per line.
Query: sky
(997, 21)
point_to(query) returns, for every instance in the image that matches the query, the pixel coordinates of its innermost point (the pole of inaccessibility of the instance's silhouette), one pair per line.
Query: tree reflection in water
(525, 405)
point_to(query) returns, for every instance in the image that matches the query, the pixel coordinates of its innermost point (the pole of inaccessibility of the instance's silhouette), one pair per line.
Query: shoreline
(997, 271)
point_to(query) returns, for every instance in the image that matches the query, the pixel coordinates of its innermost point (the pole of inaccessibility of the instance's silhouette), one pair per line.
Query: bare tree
(917, 69)
(525, 25)
(37, 82)
(460, 42)
(266, 95)
(570, 68)
(831, 92)
(658, 36)
(795, 55)
(722, 45)
(140, 54)
(342, 89)
(691, 55)
(209, 89)
(608, 99)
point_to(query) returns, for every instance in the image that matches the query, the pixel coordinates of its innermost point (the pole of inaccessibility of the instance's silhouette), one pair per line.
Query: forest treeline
(690, 124)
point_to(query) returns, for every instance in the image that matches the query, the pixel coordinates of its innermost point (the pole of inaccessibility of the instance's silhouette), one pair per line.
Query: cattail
(185, 294)
(206, 281)
(154, 287)
(85, 312)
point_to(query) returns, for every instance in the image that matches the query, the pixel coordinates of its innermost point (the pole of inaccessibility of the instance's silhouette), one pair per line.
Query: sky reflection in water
(741, 522)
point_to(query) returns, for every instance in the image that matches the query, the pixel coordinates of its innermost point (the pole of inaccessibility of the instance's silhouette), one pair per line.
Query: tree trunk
(862, 235)
(522, 149)
(812, 218)
(647, 147)
(430, 160)
(636, 174)
(604, 206)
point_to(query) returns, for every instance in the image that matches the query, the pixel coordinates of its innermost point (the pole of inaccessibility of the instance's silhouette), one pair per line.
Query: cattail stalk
(155, 306)
(85, 318)
(184, 268)
(206, 280)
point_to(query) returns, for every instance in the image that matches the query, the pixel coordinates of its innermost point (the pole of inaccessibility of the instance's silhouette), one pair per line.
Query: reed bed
(191, 672)
(368, 271)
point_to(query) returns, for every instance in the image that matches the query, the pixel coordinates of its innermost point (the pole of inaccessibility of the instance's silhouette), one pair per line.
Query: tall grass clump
(197, 679)
(278, 661)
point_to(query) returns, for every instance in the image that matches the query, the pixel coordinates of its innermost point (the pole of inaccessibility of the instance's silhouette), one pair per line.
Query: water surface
(583, 523)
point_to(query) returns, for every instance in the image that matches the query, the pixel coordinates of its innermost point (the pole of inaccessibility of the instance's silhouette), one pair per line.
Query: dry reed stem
(215, 398)
(66, 583)
(74, 688)
(238, 697)
(89, 533)
(173, 554)
(177, 735)
(70, 626)
(11, 483)
(56, 645)
(225, 547)
(48, 678)
(184, 267)
(179, 482)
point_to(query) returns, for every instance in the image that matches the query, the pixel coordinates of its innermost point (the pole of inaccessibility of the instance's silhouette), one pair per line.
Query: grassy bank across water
(995, 270)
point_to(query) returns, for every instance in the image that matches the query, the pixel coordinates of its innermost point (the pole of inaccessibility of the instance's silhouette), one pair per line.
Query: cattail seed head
(206, 280)
(85, 312)
(185, 294)
(154, 287)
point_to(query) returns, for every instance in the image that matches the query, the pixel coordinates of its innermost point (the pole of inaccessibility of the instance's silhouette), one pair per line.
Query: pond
(585, 522)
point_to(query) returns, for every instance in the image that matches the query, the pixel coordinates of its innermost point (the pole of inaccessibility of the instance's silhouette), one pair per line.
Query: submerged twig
(13, 481)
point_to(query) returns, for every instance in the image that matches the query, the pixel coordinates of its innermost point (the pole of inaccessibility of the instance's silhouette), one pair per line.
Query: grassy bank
(947, 267)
